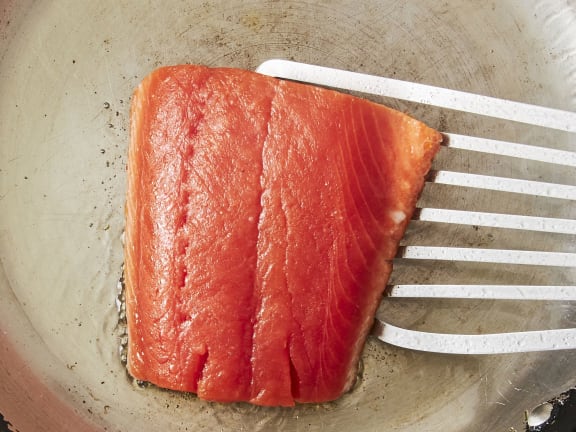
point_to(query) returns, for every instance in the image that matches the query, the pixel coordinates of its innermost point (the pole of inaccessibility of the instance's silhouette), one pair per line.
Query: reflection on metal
(539, 415)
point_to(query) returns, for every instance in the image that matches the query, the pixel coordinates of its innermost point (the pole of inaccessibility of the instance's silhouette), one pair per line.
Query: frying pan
(67, 70)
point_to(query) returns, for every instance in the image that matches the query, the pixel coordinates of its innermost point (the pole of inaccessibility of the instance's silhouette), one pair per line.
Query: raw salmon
(262, 217)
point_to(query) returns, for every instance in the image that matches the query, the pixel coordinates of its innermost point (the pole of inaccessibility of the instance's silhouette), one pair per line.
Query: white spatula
(500, 343)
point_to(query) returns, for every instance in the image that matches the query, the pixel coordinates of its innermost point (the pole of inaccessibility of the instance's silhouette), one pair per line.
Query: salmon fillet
(262, 217)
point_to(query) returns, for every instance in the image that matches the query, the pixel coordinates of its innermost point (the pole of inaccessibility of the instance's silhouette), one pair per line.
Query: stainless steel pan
(67, 70)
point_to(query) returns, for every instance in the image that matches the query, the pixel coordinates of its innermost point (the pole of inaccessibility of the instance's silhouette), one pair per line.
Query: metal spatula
(500, 343)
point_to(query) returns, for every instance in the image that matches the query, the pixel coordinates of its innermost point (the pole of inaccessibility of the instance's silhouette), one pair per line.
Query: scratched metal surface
(67, 70)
